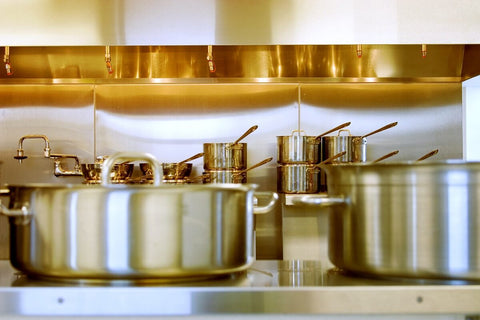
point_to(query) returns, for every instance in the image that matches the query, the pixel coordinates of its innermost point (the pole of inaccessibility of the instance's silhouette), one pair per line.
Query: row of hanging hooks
(360, 50)
(210, 60)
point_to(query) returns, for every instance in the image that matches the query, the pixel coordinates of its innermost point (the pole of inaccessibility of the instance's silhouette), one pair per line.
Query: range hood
(266, 63)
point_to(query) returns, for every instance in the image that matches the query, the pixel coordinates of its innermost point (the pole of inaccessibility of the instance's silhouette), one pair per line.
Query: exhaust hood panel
(442, 63)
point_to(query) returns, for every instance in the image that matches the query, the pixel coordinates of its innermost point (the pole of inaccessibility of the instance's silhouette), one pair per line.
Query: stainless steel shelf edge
(225, 300)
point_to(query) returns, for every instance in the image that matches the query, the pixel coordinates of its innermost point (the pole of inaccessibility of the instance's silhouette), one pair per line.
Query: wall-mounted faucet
(60, 171)
(21, 153)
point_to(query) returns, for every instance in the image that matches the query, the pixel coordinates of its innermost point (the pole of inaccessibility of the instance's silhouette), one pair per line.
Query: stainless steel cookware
(300, 177)
(120, 173)
(227, 155)
(122, 231)
(176, 172)
(355, 146)
(300, 148)
(230, 175)
(405, 219)
(224, 176)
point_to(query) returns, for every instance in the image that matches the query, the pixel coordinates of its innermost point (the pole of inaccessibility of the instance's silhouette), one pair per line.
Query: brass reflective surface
(253, 63)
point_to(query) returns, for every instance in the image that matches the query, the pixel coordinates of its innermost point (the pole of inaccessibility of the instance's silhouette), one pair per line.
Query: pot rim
(245, 187)
(405, 164)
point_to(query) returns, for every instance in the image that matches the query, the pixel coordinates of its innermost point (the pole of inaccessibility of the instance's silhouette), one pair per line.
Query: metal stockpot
(298, 147)
(406, 219)
(224, 176)
(224, 156)
(131, 231)
(354, 146)
(230, 176)
(297, 178)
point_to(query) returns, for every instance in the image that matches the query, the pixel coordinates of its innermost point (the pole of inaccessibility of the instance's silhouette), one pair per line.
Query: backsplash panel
(173, 120)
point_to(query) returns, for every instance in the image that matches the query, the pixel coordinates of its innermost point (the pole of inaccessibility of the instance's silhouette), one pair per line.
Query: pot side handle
(273, 196)
(320, 200)
(131, 156)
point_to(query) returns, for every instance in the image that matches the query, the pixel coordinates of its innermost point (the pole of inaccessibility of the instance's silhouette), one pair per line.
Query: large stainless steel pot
(131, 231)
(412, 219)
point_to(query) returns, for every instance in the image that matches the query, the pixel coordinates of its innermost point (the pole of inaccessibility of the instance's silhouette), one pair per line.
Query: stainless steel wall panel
(173, 120)
(64, 113)
(429, 116)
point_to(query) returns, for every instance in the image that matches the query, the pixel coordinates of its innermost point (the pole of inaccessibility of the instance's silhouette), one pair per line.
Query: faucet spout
(60, 171)
(21, 153)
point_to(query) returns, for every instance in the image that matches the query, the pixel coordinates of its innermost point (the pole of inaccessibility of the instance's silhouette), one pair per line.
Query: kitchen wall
(173, 120)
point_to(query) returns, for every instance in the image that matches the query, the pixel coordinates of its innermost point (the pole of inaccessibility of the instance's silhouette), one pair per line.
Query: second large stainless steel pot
(412, 219)
(131, 231)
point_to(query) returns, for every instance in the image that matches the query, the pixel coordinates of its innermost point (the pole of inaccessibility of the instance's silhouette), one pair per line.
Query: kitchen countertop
(269, 287)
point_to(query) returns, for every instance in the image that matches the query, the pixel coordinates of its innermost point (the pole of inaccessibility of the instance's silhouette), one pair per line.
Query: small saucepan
(300, 148)
(355, 146)
(230, 175)
(226, 155)
(92, 172)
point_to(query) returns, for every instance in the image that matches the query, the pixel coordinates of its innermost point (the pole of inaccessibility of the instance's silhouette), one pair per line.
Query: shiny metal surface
(224, 155)
(237, 63)
(221, 22)
(92, 172)
(298, 178)
(298, 147)
(405, 219)
(293, 288)
(224, 176)
(131, 232)
(354, 146)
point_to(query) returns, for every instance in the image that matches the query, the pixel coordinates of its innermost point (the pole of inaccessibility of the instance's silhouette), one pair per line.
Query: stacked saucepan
(298, 157)
(355, 148)
(226, 162)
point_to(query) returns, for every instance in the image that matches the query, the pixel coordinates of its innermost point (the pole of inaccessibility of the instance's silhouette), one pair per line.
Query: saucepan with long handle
(301, 148)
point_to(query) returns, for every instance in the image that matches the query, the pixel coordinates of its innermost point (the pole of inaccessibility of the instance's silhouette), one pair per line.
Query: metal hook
(108, 59)
(211, 63)
(6, 60)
